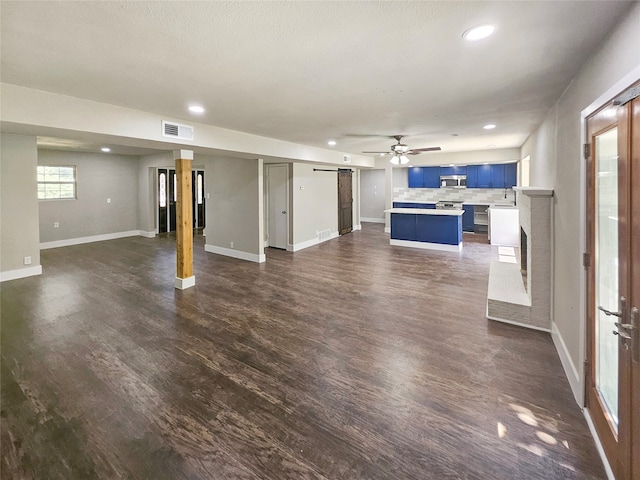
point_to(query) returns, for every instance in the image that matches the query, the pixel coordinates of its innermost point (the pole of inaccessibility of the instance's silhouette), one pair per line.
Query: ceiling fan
(400, 151)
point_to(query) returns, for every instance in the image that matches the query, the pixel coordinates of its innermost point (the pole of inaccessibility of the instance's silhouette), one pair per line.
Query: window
(56, 182)
(163, 189)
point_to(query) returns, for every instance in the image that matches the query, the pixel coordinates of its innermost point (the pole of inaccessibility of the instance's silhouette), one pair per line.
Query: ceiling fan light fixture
(404, 160)
(395, 160)
(478, 33)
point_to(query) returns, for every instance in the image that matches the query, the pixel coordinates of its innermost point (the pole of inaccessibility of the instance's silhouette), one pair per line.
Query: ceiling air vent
(177, 130)
(346, 158)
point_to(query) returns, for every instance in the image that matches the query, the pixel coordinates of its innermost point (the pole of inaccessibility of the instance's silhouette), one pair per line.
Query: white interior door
(278, 201)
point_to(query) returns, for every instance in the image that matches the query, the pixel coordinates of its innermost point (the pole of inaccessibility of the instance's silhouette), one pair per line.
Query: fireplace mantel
(511, 299)
(534, 191)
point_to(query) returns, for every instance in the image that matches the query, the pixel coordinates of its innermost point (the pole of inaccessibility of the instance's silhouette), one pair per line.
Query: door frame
(267, 204)
(576, 374)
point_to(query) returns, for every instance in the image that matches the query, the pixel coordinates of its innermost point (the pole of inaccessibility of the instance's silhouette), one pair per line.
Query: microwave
(453, 181)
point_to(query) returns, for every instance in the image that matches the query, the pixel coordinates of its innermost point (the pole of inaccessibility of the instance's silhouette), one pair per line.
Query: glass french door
(613, 282)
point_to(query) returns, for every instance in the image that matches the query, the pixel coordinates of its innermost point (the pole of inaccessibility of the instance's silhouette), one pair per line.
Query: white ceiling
(307, 72)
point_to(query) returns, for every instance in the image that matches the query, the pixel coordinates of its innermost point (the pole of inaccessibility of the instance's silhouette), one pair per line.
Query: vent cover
(346, 158)
(177, 130)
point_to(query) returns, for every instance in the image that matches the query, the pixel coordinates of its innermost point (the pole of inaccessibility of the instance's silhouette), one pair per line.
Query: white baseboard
(518, 324)
(573, 374)
(596, 439)
(310, 243)
(229, 252)
(184, 283)
(20, 273)
(372, 220)
(426, 245)
(95, 238)
(357, 227)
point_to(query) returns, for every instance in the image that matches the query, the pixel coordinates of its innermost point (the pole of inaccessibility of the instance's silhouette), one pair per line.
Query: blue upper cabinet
(484, 176)
(456, 170)
(424, 177)
(431, 177)
(478, 176)
(472, 176)
(497, 176)
(510, 175)
(416, 177)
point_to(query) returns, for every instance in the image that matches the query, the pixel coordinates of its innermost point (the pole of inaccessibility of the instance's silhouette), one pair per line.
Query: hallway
(348, 360)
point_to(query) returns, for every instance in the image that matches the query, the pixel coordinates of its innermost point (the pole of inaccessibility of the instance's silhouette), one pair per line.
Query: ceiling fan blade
(376, 152)
(416, 151)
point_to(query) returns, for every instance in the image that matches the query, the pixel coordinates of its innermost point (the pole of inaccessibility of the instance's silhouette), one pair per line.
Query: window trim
(74, 183)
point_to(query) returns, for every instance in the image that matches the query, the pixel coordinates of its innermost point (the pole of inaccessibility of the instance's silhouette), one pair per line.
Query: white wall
(372, 190)
(315, 207)
(147, 191)
(61, 115)
(234, 206)
(400, 177)
(98, 176)
(556, 162)
(19, 229)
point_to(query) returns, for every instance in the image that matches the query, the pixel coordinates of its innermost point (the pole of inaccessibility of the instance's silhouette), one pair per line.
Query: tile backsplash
(473, 196)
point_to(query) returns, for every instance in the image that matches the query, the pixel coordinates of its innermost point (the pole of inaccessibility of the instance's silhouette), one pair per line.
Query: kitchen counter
(425, 211)
(426, 228)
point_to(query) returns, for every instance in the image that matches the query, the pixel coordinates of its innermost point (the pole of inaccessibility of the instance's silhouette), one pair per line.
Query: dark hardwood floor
(348, 360)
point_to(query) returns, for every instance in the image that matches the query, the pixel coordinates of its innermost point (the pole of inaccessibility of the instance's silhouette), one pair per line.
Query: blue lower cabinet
(467, 218)
(403, 226)
(404, 205)
(439, 229)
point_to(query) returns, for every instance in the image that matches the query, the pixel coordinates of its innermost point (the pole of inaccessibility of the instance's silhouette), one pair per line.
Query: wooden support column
(184, 220)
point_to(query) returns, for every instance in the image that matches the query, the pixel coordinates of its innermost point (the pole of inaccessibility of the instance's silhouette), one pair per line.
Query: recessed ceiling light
(486, 163)
(491, 126)
(452, 164)
(491, 146)
(105, 149)
(196, 109)
(331, 142)
(478, 33)
(382, 154)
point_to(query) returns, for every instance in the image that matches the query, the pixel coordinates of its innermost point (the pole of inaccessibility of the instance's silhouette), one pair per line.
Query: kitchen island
(426, 228)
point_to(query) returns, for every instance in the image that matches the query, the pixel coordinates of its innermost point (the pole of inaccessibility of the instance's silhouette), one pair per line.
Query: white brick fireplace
(524, 297)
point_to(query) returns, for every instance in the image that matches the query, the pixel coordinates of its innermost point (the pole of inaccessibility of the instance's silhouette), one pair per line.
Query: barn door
(345, 201)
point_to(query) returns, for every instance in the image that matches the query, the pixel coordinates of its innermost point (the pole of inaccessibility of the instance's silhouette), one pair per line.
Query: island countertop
(426, 211)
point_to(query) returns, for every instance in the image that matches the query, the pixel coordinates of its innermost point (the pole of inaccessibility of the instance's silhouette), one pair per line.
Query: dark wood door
(345, 202)
(613, 283)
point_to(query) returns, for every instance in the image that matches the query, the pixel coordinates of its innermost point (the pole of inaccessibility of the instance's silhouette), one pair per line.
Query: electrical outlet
(56, 225)
(231, 244)
(27, 260)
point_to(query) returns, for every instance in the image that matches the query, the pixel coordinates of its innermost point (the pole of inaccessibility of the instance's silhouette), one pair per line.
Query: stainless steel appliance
(453, 181)
(449, 205)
